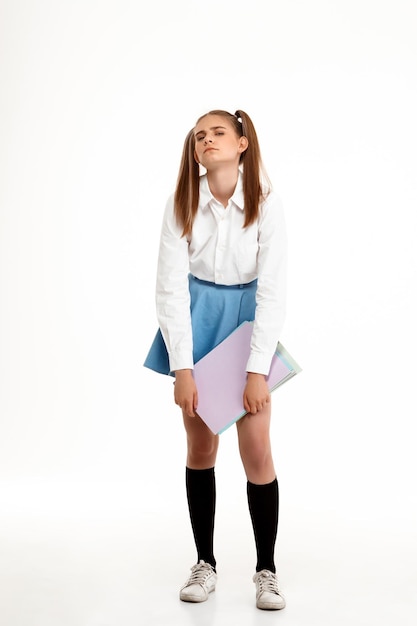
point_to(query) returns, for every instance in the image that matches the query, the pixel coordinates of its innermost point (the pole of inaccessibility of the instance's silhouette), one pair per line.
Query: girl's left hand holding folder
(256, 394)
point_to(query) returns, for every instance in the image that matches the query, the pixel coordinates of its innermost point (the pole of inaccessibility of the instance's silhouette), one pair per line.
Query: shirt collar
(206, 196)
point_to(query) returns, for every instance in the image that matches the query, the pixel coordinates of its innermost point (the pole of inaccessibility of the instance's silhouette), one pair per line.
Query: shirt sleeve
(172, 292)
(272, 285)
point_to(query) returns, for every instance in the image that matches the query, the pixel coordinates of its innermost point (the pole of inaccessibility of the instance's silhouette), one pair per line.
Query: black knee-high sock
(263, 503)
(201, 496)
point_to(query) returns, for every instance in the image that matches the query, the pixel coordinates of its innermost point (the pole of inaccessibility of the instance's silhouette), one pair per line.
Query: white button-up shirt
(219, 250)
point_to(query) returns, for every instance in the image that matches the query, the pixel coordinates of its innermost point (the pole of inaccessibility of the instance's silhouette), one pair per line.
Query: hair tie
(237, 115)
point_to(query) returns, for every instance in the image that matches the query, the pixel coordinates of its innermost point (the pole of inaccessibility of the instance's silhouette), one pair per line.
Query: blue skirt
(216, 311)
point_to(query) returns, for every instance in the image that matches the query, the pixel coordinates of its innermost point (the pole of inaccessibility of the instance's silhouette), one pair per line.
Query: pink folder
(221, 377)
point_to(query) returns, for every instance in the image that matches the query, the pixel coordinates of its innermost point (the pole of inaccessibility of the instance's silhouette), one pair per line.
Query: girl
(222, 261)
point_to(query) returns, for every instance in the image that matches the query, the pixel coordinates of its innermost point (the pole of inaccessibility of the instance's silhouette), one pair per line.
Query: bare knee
(257, 455)
(201, 452)
(202, 444)
(257, 460)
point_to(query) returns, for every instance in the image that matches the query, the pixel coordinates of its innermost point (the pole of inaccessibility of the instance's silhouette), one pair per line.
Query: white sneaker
(201, 582)
(268, 596)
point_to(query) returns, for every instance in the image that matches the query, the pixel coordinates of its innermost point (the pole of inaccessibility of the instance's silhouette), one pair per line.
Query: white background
(96, 99)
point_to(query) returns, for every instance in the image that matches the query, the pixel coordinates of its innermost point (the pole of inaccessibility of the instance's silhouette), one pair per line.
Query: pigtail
(187, 190)
(253, 171)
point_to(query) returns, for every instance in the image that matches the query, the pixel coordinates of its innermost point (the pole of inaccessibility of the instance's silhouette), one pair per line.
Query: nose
(207, 139)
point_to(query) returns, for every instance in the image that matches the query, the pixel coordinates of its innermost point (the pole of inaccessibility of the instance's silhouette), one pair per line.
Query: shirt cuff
(181, 360)
(259, 364)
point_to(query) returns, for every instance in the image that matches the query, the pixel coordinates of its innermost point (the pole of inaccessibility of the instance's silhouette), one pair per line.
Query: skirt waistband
(218, 286)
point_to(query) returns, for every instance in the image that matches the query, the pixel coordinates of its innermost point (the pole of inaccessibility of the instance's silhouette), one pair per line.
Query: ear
(243, 144)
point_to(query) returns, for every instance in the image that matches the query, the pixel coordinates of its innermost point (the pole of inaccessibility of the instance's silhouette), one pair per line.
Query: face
(216, 142)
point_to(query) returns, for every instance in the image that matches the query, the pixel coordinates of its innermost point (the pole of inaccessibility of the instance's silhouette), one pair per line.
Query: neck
(222, 183)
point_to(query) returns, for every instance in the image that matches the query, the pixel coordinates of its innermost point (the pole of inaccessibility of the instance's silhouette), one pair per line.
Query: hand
(185, 391)
(256, 394)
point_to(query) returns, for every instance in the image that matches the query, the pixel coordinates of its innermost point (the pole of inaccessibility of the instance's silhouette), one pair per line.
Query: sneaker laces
(267, 581)
(199, 573)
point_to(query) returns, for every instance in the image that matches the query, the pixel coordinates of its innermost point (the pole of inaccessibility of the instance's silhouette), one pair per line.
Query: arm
(270, 302)
(271, 287)
(173, 309)
(172, 293)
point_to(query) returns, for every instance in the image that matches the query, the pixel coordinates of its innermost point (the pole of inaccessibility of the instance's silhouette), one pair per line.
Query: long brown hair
(186, 195)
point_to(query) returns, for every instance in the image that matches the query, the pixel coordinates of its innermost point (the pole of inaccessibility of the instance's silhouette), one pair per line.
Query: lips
(208, 149)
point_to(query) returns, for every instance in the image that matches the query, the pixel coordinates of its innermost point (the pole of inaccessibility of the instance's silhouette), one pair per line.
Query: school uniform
(207, 285)
(221, 275)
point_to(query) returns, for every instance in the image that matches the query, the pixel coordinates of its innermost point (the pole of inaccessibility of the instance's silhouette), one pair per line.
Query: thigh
(197, 429)
(253, 430)
(202, 443)
(253, 435)
(255, 446)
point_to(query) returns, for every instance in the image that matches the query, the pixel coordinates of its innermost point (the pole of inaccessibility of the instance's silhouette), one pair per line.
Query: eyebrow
(211, 128)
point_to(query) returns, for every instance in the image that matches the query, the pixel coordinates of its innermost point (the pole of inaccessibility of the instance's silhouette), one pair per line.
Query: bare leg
(262, 486)
(255, 446)
(202, 444)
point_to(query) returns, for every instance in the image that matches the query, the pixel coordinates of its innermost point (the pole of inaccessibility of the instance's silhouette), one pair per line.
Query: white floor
(92, 555)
